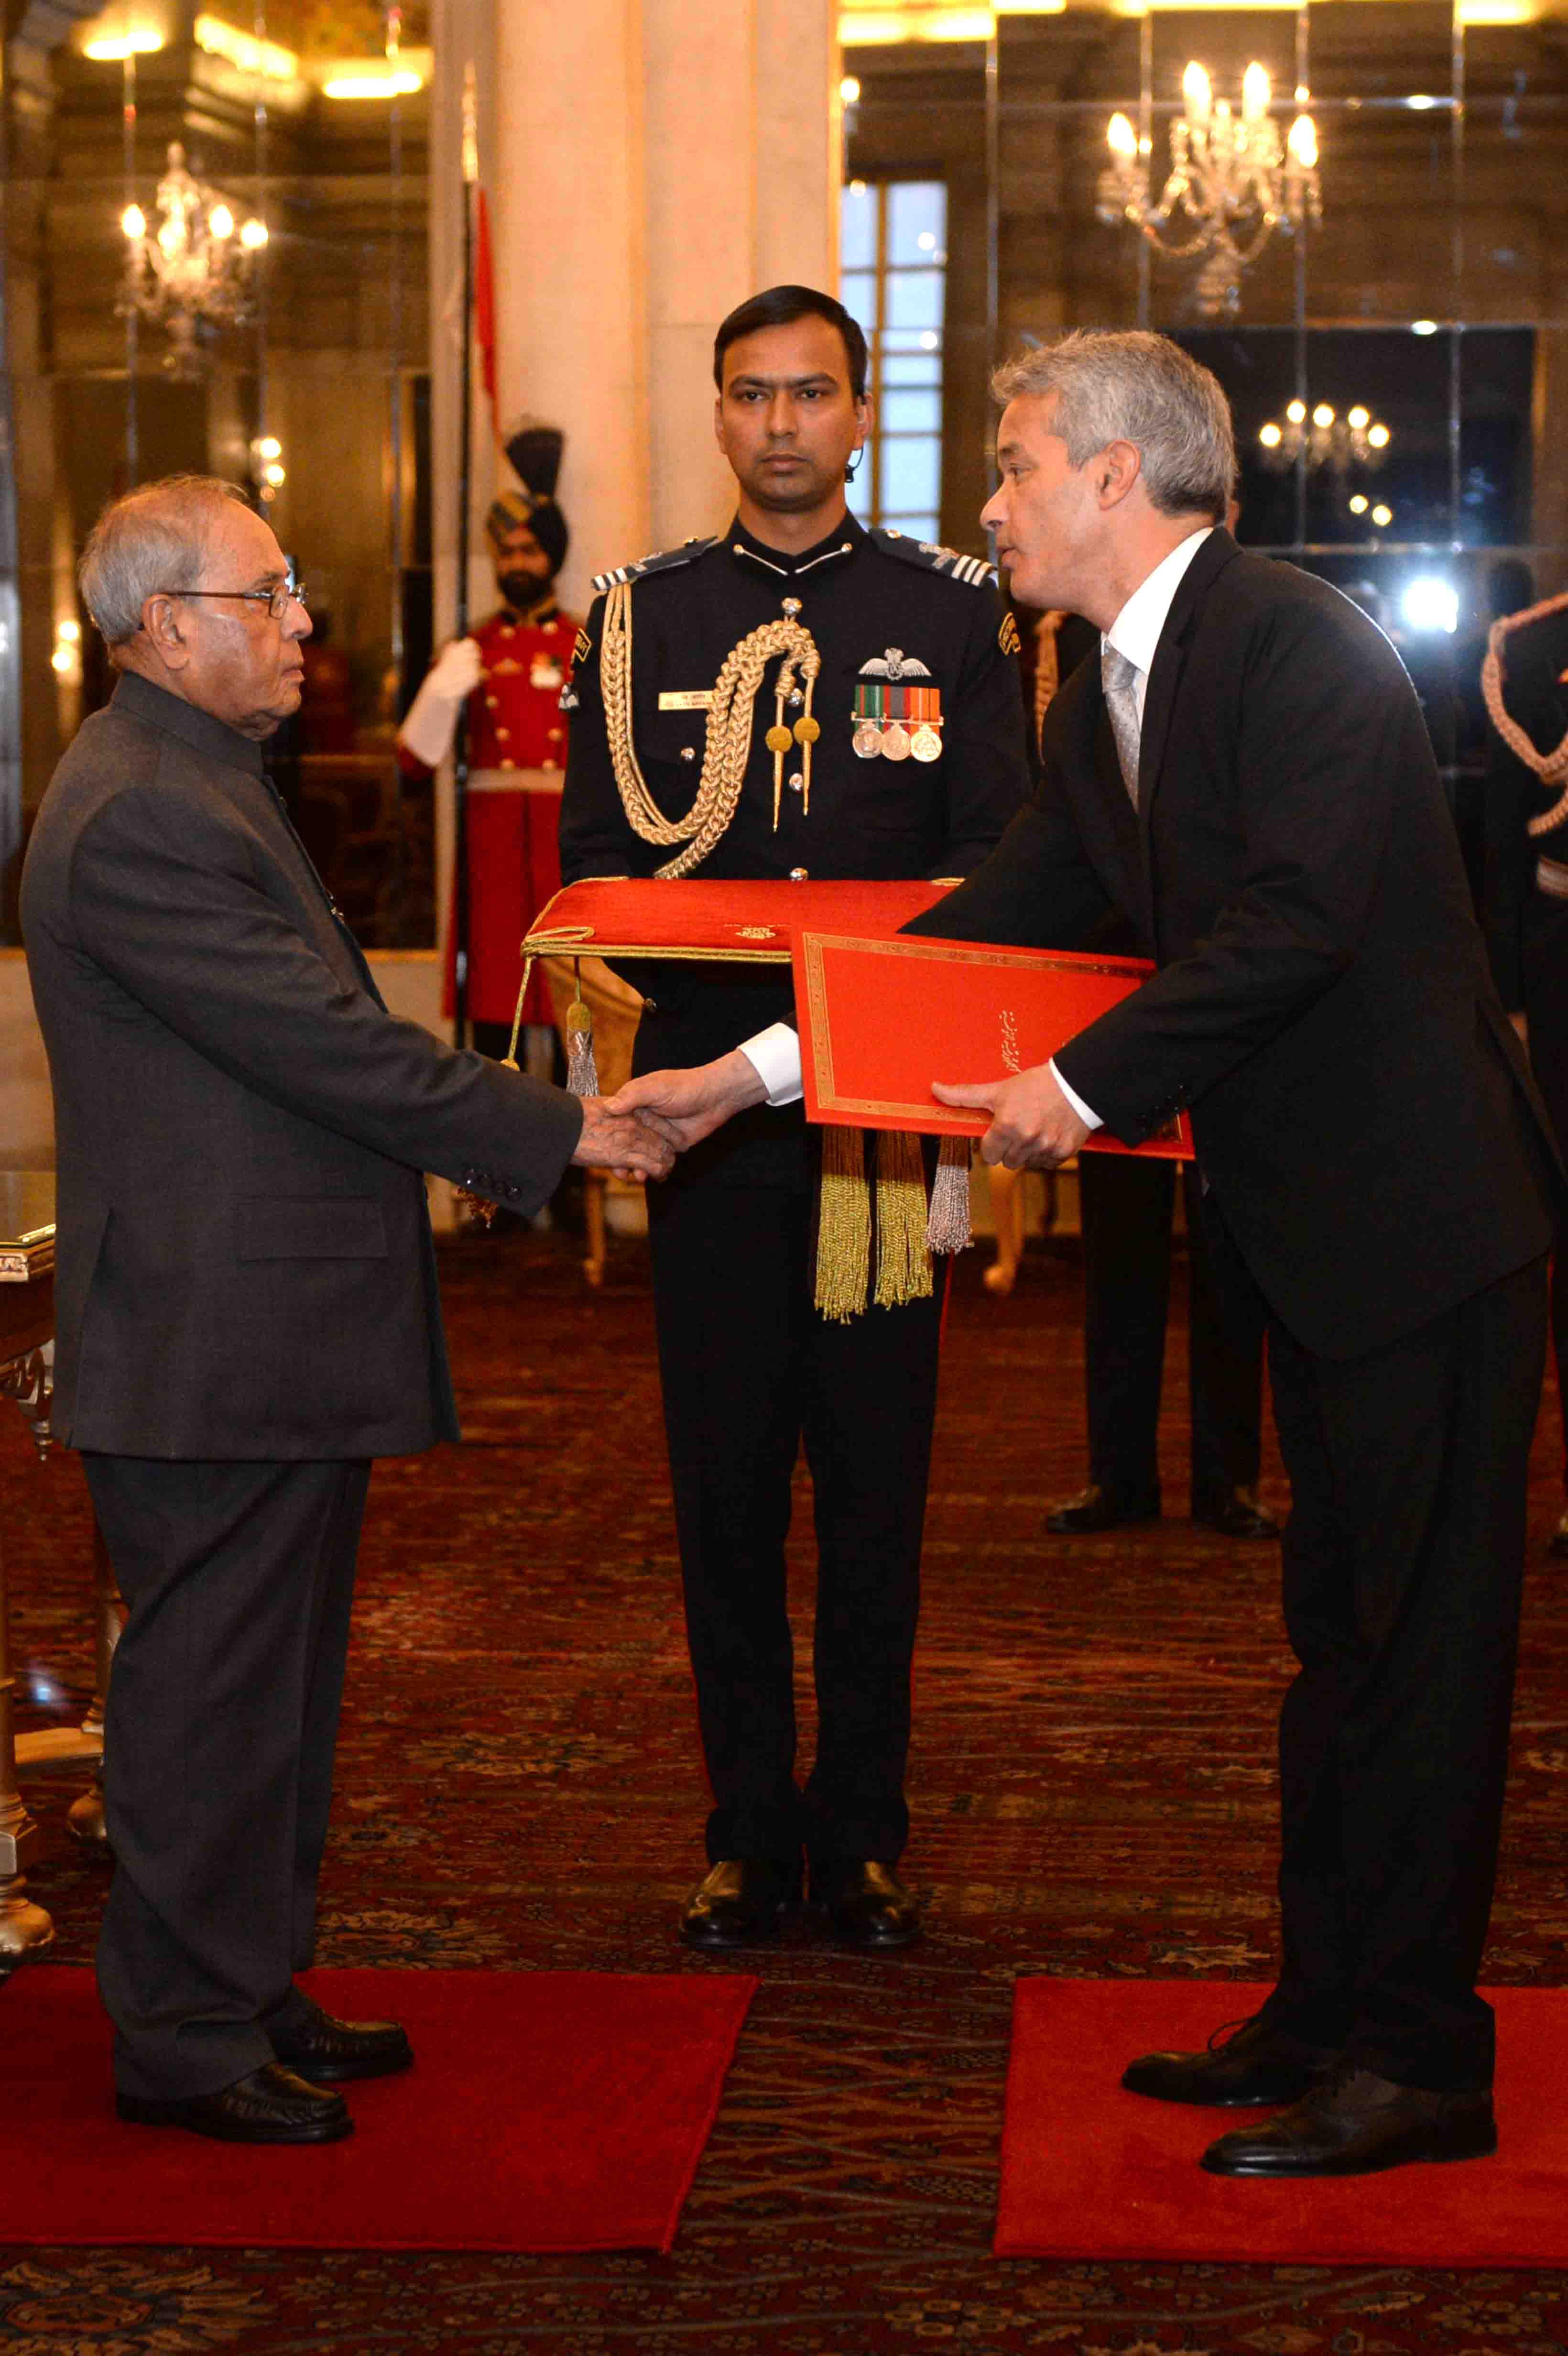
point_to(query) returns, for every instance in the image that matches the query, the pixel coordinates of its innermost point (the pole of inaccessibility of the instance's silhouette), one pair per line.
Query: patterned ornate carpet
(1091, 1793)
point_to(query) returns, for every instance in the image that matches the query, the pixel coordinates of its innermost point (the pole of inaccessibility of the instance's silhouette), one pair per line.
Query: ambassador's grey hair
(1124, 385)
(154, 538)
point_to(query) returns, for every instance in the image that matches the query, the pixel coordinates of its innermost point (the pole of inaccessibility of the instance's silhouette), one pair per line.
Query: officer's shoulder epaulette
(931, 557)
(667, 560)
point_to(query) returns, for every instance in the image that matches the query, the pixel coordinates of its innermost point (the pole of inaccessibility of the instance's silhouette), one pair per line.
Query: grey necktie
(1120, 679)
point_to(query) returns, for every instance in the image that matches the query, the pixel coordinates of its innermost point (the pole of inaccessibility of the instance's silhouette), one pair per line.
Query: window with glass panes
(893, 249)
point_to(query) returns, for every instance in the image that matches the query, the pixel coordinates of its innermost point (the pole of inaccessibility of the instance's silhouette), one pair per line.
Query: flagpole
(460, 740)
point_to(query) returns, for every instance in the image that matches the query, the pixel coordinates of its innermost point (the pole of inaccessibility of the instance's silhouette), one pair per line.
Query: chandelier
(1357, 439)
(193, 273)
(1232, 183)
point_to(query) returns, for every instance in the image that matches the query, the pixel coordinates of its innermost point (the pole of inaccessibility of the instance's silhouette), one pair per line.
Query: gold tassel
(582, 1068)
(947, 1229)
(510, 1058)
(843, 1226)
(903, 1263)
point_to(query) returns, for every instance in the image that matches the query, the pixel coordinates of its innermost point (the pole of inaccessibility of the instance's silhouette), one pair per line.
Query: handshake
(638, 1132)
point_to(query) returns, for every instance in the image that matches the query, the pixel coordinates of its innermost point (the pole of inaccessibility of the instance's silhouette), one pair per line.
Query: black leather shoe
(271, 2105)
(326, 2050)
(1557, 1543)
(739, 1902)
(1355, 2124)
(1257, 2064)
(1095, 1508)
(1235, 1514)
(866, 1904)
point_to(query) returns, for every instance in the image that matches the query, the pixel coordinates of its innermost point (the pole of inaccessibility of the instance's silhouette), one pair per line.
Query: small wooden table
(27, 1375)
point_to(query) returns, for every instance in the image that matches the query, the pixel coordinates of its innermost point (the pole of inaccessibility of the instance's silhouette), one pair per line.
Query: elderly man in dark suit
(1244, 777)
(246, 1296)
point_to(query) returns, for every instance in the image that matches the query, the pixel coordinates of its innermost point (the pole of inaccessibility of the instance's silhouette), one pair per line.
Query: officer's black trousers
(1126, 1206)
(218, 1753)
(1546, 1004)
(1402, 1566)
(750, 1372)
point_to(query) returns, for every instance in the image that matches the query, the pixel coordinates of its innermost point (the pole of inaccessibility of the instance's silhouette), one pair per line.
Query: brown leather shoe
(1355, 2124)
(740, 1900)
(270, 2106)
(1255, 2064)
(866, 1904)
(326, 2050)
(1235, 1514)
(1094, 1509)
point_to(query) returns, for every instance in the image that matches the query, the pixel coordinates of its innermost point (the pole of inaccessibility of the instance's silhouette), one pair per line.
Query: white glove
(432, 718)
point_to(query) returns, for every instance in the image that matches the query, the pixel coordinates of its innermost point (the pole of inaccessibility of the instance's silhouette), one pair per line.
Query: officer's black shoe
(1094, 1509)
(270, 2106)
(739, 1902)
(326, 2050)
(1355, 2124)
(866, 1904)
(1258, 2064)
(1235, 1514)
(1557, 1543)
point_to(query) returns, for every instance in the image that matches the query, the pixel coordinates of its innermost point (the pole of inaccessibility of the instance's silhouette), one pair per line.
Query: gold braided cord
(729, 742)
(1552, 767)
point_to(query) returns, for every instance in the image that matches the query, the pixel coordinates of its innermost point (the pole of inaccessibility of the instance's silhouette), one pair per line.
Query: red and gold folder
(881, 1019)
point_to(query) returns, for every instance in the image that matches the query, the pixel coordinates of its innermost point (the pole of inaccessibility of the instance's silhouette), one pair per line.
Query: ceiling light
(1430, 604)
(135, 41)
(1383, 518)
(372, 81)
(244, 51)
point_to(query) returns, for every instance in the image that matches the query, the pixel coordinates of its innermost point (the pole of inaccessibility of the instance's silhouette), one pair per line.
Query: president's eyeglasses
(276, 600)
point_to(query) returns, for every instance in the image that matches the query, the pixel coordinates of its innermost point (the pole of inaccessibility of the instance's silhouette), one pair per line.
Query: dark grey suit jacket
(244, 1265)
(1358, 1102)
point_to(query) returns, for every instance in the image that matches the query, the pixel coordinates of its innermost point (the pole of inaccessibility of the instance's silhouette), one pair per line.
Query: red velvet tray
(881, 1019)
(696, 917)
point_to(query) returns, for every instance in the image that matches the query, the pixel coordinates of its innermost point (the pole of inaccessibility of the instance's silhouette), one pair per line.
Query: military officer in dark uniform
(902, 755)
(1524, 905)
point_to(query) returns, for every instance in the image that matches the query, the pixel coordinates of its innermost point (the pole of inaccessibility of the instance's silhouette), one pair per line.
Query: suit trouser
(1126, 1206)
(1402, 1563)
(1546, 1005)
(218, 1753)
(750, 1371)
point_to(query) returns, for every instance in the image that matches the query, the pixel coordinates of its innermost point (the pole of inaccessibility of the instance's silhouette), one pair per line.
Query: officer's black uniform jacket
(1535, 661)
(861, 593)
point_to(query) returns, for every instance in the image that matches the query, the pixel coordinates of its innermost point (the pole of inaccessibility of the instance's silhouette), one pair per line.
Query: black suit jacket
(244, 1265)
(1359, 1103)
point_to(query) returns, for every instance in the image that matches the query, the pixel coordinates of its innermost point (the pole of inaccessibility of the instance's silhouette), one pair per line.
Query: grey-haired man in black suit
(1244, 777)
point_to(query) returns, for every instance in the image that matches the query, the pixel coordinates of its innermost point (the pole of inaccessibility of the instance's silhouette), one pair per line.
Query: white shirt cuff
(774, 1055)
(1092, 1120)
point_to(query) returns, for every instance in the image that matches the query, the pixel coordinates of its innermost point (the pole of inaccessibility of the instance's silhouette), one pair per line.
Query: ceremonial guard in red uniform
(511, 671)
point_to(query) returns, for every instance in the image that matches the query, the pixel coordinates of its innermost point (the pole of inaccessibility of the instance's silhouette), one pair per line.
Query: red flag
(484, 305)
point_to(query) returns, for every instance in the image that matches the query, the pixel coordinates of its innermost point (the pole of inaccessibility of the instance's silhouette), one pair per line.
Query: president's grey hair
(1124, 385)
(154, 538)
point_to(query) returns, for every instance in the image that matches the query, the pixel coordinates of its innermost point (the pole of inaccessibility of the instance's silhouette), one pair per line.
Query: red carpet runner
(1091, 2172)
(546, 2111)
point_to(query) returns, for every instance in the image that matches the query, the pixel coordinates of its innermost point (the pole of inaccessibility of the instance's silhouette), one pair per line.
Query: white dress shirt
(1135, 633)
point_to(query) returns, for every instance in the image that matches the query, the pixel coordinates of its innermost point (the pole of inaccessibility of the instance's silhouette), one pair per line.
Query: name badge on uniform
(687, 699)
(896, 717)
